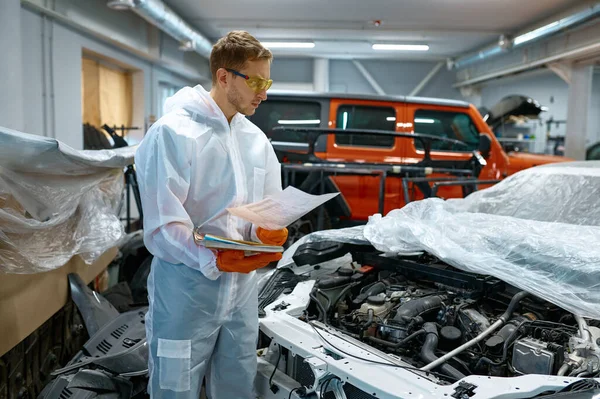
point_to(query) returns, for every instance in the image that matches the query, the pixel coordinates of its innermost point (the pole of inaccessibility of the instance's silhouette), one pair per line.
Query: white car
(492, 296)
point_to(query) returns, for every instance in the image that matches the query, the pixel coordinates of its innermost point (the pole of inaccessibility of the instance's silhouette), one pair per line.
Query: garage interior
(83, 81)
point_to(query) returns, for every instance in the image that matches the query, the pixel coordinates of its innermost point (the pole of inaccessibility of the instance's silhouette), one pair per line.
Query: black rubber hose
(320, 307)
(428, 352)
(370, 317)
(413, 308)
(518, 297)
(396, 345)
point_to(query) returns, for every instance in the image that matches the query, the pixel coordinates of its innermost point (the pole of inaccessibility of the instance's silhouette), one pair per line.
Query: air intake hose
(417, 307)
(428, 351)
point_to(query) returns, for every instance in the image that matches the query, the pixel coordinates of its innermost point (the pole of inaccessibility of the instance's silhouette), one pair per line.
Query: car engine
(452, 322)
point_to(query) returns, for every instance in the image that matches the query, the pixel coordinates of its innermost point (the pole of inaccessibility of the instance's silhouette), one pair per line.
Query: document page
(278, 211)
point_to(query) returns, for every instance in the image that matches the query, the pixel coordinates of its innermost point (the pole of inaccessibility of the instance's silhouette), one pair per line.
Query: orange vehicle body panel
(362, 192)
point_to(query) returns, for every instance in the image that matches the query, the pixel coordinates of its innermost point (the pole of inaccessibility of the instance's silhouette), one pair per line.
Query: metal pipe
(428, 351)
(461, 348)
(575, 53)
(477, 56)
(80, 27)
(563, 369)
(503, 319)
(528, 37)
(584, 330)
(556, 26)
(160, 15)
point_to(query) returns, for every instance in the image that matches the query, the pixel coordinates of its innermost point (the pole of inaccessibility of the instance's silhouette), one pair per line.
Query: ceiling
(344, 28)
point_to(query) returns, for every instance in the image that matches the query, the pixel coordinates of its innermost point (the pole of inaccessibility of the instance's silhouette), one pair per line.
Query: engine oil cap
(450, 333)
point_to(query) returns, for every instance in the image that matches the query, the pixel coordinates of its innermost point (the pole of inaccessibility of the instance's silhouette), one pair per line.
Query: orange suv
(454, 131)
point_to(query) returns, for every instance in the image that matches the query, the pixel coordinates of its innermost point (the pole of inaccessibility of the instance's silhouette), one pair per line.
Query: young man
(202, 157)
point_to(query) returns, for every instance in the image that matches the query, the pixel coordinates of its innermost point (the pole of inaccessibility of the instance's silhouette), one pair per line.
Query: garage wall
(551, 91)
(394, 77)
(290, 70)
(52, 52)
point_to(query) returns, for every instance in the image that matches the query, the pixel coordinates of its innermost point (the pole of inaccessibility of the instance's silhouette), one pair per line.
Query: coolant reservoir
(379, 305)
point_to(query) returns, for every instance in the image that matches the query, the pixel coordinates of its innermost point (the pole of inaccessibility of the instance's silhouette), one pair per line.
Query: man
(202, 157)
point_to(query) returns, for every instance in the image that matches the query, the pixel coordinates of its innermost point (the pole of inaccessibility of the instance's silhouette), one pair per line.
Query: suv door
(362, 192)
(452, 122)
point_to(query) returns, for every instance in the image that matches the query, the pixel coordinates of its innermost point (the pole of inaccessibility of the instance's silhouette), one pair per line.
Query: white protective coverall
(192, 165)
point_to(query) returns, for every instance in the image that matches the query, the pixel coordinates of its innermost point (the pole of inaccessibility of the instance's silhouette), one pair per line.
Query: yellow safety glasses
(257, 84)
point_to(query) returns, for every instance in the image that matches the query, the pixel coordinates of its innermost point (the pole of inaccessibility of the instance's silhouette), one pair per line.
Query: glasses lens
(259, 84)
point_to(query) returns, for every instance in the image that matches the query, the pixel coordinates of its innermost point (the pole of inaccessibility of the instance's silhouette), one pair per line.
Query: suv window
(273, 113)
(451, 125)
(371, 118)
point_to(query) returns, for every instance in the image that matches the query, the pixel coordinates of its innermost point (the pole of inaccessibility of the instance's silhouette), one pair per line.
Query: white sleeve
(273, 175)
(163, 164)
(272, 180)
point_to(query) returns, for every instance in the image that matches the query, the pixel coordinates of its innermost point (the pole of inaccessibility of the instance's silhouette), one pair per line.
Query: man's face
(243, 98)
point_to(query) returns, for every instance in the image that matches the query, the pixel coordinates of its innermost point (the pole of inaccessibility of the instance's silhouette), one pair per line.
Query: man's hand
(235, 262)
(272, 237)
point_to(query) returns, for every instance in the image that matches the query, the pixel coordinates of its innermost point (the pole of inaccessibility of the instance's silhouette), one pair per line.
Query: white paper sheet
(278, 211)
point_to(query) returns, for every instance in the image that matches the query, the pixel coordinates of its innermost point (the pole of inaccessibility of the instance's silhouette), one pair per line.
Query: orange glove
(235, 261)
(272, 237)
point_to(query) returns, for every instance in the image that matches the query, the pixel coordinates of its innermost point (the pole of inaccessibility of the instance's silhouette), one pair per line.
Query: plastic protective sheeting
(57, 202)
(562, 192)
(537, 230)
(351, 235)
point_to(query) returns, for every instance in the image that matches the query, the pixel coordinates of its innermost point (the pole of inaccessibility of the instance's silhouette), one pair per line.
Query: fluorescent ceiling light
(120, 4)
(391, 119)
(299, 121)
(400, 47)
(424, 120)
(288, 44)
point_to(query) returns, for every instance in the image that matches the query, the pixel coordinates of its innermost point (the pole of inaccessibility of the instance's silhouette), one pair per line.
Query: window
(451, 125)
(274, 113)
(368, 118)
(165, 90)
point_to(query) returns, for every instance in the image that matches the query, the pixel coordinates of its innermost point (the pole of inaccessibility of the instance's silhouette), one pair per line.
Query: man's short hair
(234, 50)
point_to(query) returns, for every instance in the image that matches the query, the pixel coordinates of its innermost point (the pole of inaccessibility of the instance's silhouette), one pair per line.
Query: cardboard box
(28, 300)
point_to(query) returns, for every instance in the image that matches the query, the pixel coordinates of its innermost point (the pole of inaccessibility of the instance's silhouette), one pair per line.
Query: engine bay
(447, 321)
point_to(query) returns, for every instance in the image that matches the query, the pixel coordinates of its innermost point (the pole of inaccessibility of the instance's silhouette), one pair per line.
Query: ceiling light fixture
(288, 44)
(120, 5)
(400, 47)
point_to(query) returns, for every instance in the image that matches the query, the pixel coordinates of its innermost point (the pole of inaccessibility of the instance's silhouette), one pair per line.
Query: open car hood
(515, 105)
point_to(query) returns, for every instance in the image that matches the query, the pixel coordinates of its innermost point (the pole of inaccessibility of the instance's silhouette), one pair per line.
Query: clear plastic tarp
(538, 230)
(57, 202)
